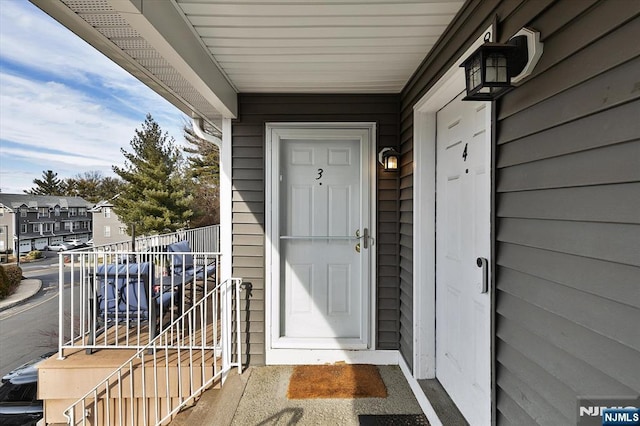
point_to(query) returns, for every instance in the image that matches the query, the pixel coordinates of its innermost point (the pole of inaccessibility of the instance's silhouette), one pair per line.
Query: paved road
(31, 329)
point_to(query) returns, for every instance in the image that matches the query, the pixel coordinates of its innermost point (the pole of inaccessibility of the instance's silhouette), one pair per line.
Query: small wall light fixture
(492, 69)
(389, 158)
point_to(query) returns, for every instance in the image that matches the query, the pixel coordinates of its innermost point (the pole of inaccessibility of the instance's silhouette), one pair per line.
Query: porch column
(225, 199)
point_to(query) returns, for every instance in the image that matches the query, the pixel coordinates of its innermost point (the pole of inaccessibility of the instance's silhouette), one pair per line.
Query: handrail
(189, 335)
(206, 238)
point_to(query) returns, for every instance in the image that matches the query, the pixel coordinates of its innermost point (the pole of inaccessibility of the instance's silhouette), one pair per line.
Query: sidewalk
(26, 290)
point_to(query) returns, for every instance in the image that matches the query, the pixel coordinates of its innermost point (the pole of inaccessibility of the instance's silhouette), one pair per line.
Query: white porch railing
(119, 297)
(204, 239)
(175, 367)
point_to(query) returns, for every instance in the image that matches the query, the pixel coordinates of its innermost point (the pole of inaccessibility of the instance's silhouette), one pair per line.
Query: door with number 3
(320, 220)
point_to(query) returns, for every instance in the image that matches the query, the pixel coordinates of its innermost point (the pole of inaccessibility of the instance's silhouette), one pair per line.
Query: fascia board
(164, 28)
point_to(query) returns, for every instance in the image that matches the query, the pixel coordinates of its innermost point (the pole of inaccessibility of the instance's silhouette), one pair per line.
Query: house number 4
(464, 152)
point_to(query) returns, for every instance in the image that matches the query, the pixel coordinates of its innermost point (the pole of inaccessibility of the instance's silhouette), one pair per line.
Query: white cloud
(53, 116)
(63, 105)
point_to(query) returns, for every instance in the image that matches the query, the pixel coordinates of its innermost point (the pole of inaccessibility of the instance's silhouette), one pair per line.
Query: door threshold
(442, 403)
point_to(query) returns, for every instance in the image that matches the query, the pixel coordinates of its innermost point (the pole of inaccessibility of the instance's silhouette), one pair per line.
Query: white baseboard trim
(321, 356)
(426, 406)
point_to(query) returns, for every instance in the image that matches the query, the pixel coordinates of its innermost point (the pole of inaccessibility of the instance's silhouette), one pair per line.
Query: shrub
(10, 276)
(34, 254)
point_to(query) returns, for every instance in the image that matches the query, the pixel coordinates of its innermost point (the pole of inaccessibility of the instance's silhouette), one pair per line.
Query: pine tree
(154, 196)
(48, 185)
(203, 169)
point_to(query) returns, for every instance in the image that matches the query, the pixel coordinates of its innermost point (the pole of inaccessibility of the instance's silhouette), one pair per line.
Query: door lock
(358, 247)
(483, 263)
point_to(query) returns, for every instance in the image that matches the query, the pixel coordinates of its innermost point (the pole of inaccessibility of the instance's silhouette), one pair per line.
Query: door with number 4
(320, 224)
(463, 153)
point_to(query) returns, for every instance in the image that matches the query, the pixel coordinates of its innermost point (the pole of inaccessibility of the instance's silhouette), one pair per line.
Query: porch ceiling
(200, 53)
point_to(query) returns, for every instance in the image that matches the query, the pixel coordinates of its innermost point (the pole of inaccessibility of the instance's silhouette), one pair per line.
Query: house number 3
(320, 172)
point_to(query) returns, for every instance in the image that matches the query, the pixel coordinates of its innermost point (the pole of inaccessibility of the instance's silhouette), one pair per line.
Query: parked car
(62, 246)
(19, 404)
(76, 243)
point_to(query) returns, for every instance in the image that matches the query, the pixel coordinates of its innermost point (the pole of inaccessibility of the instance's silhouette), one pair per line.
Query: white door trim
(275, 355)
(424, 208)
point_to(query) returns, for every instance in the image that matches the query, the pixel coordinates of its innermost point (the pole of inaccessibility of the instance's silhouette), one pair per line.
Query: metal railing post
(60, 305)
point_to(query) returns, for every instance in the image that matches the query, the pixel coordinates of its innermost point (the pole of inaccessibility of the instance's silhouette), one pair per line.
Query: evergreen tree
(203, 169)
(92, 186)
(48, 185)
(154, 196)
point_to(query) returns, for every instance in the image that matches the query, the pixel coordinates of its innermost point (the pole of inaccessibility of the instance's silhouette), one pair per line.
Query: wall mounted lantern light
(389, 158)
(493, 68)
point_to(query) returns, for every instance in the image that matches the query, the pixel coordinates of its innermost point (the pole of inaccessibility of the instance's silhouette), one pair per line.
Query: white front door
(321, 209)
(462, 236)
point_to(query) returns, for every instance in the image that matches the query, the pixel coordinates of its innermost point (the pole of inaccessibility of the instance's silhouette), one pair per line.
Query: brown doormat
(336, 381)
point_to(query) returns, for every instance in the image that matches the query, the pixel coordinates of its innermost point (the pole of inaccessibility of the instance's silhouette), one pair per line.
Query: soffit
(331, 46)
(285, 46)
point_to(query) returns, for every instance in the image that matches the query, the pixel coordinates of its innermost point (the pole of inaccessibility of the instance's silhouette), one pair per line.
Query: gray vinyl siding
(248, 138)
(567, 206)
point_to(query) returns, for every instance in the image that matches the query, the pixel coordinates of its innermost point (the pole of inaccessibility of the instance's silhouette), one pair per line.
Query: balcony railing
(205, 239)
(116, 297)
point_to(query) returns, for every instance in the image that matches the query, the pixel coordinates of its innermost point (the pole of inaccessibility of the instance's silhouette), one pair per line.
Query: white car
(62, 246)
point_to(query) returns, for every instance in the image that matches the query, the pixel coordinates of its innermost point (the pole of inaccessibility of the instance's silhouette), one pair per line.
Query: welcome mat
(393, 420)
(336, 381)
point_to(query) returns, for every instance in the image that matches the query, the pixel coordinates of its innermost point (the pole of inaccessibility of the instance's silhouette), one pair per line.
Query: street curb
(22, 294)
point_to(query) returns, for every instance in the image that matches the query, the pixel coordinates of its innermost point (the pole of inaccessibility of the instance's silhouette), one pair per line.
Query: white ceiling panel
(320, 46)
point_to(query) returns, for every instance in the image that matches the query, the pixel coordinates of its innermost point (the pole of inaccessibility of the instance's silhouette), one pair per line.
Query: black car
(19, 404)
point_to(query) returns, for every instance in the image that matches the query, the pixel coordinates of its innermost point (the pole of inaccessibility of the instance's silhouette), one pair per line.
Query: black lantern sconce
(493, 68)
(389, 158)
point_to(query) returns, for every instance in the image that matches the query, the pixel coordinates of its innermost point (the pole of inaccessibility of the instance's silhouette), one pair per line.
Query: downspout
(198, 129)
(225, 188)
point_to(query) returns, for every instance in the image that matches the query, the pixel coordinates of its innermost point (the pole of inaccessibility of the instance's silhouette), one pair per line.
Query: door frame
(447, 88)
(279, 355)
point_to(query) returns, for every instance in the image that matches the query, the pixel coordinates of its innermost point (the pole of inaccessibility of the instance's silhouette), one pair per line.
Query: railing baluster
(131, 391)
(120, 397)
(143, 380)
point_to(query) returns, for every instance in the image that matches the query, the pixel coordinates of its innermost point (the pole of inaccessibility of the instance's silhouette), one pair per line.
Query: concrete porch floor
(259, 397)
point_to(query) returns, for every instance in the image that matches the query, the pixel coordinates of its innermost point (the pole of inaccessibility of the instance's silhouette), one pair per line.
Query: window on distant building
(57, 226)
(23, 228)
(82, 211)
(107, 231)
(122, 230)
(23, 212)
(43, 211)
(56, 211)
(37, 227)
(73, 211)
(107, 212)
(68, 226)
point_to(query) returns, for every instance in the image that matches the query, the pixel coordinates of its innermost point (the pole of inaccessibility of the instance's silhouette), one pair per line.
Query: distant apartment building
(32, 222)
(107, 227)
